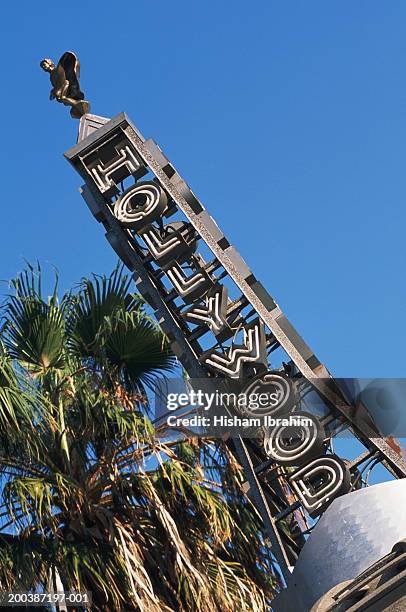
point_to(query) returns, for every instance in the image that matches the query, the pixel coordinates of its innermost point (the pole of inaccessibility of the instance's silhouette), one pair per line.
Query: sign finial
(65, 83)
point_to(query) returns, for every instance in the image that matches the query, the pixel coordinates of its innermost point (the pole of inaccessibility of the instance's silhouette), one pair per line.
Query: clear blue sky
(288, 119)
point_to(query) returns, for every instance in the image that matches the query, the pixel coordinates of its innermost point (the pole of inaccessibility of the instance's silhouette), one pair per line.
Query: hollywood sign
(160, 229)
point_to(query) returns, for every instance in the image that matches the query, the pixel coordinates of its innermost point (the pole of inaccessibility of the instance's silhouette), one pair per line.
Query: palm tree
(91, 493)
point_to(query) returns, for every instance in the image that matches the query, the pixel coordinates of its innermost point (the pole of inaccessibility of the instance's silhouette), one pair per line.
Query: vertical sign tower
(223, 325)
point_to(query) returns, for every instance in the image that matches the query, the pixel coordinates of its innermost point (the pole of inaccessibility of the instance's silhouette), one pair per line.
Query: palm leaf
(33, 329)
(98, 297)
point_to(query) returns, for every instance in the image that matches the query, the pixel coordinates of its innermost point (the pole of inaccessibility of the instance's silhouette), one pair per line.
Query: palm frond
(99, 297)
(33, 330)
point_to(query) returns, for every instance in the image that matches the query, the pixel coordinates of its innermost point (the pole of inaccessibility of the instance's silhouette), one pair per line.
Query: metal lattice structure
(222, 323)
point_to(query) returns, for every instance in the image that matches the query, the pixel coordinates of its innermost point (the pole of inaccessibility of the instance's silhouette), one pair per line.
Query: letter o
(140, 204)
(295, 444)
(273, 383)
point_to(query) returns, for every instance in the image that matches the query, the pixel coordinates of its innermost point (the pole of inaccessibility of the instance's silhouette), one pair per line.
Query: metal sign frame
(110, 152)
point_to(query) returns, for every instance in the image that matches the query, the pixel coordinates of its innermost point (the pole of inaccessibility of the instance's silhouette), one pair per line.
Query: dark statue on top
(65, 83)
